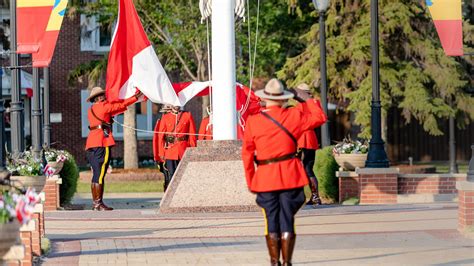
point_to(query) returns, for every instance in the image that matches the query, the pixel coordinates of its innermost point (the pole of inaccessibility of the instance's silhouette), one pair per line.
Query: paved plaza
(136, 234)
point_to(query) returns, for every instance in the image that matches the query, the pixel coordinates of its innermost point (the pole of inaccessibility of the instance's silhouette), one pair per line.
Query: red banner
(32, 19)
(48, 43)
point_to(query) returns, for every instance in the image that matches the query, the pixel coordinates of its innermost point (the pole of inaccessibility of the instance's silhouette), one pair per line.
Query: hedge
(70, 177)
(325, 169)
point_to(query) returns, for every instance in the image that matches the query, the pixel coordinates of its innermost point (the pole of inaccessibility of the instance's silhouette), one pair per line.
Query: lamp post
(16, 105)
(2, 126)
(322, 6)
(377, 157)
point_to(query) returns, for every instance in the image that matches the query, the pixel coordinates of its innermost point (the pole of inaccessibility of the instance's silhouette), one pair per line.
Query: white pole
(223, 70)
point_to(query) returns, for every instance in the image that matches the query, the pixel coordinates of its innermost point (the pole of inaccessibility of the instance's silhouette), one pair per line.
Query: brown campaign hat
(274, 90)
(96, 91)
(303, 87)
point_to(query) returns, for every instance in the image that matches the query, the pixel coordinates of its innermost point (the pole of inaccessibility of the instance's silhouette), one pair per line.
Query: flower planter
(351, 161)
(57, 166)
(9, 234)
(36, 182)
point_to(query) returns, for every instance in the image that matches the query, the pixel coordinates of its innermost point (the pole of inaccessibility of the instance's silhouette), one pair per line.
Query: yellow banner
(445, 9)
(34, 3)
(57, 15)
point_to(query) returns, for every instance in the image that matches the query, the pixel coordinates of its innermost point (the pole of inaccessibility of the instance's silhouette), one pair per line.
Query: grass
(45, 245)
(351, 201)
(124, 187)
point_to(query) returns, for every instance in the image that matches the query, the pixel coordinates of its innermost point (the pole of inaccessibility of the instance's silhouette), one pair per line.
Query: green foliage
(180, 39)
(45, 246)
(70, 177)
(351, 201)
(325, 169)
(24, 164)
(415, 74)
(7, 207)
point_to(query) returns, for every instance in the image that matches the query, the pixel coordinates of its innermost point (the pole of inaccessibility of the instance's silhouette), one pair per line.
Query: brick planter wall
(375, 187)
(466, 205)
(428, 183)
(26, 233)
(378, 186)
(51, 191)
(348, 186)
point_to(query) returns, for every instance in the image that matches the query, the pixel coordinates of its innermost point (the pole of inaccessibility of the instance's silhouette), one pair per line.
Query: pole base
(377, 157)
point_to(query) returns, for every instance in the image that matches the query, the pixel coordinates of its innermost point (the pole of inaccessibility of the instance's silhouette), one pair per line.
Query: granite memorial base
(209, 178)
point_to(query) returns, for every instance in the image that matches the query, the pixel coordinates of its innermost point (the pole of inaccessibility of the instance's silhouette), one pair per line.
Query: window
(147, 115)
(94, 37)
(4, 30)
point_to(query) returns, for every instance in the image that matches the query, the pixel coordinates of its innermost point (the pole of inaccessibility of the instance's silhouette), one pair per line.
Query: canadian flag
(133, 64)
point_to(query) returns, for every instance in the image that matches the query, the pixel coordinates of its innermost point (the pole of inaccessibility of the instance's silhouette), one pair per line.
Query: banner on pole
(447, 18)
(43, 57)
(32, 19)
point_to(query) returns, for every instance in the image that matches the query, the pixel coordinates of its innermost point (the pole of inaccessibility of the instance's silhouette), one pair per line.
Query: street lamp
(322, 6)
(377, 157)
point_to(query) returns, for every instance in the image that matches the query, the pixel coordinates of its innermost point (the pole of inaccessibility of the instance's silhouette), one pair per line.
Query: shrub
(70, 177)
(325, 169)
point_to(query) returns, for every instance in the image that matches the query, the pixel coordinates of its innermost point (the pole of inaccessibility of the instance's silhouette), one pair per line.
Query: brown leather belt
(96, 127)
(278, 159)
(173, 139)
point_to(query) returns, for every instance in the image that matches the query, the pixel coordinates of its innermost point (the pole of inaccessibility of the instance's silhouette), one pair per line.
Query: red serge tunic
(205, 131)
(180, 125)
(104, 110)
(156, 145)
(266, 140)
(308, 140)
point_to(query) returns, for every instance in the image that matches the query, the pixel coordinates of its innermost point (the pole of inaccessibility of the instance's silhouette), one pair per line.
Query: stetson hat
(274, 90)
(165, 108)
(303, 87)
(96, 91)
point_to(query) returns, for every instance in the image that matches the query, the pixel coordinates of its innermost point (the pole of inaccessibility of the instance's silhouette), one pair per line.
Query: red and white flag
(133, 64)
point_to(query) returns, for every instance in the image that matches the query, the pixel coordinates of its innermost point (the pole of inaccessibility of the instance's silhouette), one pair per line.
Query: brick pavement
(336, 235)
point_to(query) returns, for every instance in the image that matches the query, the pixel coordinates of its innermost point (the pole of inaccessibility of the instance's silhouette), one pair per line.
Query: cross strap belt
(99, 127)
(278, 159)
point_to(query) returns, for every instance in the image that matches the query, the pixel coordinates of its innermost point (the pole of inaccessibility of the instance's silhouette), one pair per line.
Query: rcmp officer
(180, 134)
(308, 143)
(156, 145)
(270, 141)
(205, 129)
(100, 140)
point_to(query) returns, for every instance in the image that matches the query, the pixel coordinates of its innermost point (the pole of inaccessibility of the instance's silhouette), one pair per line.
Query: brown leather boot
(102, 204)
(273, 245)
(95, 196)
(287, 246)
(313, 184)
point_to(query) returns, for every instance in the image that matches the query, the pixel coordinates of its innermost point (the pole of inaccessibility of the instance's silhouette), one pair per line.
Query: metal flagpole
(223, 70)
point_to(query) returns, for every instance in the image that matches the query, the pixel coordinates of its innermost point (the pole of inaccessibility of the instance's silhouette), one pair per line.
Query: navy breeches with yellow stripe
(279, 209)
(99, 159)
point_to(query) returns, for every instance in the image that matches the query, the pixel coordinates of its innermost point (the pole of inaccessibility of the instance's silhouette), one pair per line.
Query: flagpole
(16, 103)
(223, 70)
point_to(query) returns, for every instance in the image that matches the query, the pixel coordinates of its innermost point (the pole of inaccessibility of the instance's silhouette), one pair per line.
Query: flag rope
(157, 132)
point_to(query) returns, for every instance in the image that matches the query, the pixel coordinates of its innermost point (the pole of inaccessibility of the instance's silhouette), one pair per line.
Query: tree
(415, 75)
(181, 41)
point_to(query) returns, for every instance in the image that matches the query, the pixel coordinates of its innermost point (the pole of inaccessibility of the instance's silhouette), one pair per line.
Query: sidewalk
(331, 235)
